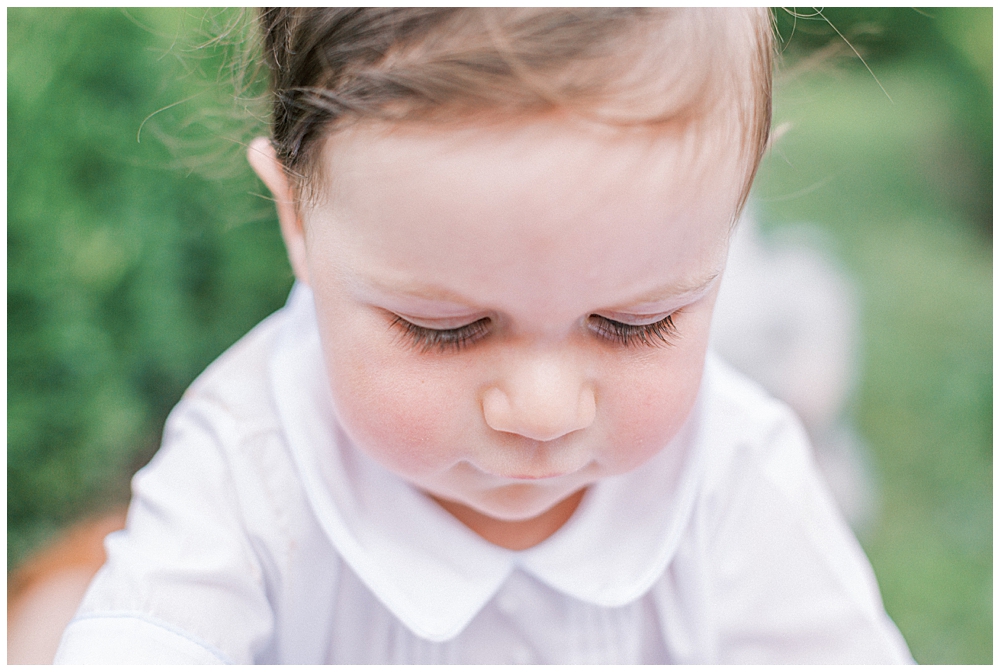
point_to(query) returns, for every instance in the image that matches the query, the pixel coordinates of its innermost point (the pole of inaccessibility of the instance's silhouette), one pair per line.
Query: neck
(517, 535)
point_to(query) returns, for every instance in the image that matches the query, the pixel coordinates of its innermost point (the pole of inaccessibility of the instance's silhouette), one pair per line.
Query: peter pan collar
(429, 570)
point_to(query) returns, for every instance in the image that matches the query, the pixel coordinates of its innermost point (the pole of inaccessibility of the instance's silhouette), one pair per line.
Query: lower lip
(532, 477)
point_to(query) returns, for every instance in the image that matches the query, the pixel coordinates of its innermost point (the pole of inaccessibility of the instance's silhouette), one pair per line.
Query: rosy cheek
(391, 409)
(650, 408)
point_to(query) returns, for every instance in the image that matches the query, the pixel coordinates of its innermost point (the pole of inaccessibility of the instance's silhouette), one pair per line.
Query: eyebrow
(673, 291)
(444, 295)
(427, 292)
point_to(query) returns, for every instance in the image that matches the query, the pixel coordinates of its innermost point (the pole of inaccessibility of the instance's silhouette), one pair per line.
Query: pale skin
(493, 301)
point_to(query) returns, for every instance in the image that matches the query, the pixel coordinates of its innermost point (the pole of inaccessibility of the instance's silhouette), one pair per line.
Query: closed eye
(425, 339)
(661, 332)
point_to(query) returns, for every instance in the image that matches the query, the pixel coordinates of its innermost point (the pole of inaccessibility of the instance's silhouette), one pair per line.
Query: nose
(541, 399)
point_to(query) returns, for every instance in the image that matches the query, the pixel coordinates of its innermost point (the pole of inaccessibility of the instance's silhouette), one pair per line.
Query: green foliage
(132, 264)
(127, 272)
(957, 41)
(900, 187)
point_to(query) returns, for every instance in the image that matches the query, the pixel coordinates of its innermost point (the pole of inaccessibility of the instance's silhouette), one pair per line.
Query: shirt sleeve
(789, 582)
(182, 583)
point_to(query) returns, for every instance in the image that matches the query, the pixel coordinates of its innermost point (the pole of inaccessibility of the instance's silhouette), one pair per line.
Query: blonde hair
(334, 66)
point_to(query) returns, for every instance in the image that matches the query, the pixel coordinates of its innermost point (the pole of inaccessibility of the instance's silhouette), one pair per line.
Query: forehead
(576, 208)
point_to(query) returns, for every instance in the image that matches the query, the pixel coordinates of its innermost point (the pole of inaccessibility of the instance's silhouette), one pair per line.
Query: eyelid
(448, 323)
(659, 309)
(635, 319)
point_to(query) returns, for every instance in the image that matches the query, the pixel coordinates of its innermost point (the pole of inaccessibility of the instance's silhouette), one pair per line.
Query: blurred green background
(135, 259)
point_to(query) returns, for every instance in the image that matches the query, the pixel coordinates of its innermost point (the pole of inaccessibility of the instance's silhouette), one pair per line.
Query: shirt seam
(228, 437)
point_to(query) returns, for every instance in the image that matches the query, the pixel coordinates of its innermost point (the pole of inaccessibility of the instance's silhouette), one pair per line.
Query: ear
(264, 161)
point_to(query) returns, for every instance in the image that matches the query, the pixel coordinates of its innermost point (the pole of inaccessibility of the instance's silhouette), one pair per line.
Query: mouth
(531, 476)
(525, 473)
(534, 477)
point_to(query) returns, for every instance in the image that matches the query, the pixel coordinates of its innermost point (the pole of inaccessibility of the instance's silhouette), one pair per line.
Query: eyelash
(662, 332)
(444, 340)
(657, 333)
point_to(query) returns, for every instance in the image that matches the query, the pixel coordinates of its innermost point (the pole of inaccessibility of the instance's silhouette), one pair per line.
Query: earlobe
(264, 161)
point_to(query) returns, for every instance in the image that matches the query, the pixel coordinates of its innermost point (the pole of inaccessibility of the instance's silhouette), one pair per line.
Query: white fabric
(259, 534)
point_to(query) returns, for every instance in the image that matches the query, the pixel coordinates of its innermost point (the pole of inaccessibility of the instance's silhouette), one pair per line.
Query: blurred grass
(893, 182)
(131, 265)
(128, 272)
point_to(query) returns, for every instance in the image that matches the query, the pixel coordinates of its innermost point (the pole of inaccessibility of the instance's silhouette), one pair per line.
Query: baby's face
(510, 313)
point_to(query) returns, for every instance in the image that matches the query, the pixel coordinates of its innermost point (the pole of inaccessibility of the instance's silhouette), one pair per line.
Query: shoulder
(236, 385)
(226, 433)
(756, 450)
(784, 575)
(745, 431)
(728, 393)
(220, 538)
(228, 416)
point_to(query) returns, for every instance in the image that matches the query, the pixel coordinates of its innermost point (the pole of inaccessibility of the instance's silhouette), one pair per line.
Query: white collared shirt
(258, 533)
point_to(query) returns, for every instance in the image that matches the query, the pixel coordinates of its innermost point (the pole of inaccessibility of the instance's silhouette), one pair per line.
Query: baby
(484, 428)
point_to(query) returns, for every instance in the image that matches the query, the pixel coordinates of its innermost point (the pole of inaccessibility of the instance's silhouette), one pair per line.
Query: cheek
(647, 415)
(403, 413)
(651, 402)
